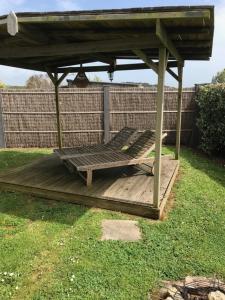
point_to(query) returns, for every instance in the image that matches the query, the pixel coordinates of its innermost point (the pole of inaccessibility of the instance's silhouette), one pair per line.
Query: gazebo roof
(57, 39)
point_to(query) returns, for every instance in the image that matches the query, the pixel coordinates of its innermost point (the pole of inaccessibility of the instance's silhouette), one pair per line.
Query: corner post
(58, 111)
(159, 125)
(2, 129)
(179, 109)
(56, 81)
(106, 105)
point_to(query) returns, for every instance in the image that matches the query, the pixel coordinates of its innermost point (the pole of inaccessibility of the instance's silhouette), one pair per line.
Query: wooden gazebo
(162, 37)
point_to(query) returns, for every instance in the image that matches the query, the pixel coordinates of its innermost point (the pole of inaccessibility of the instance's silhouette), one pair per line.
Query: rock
(216, 296)
(169, 298)
(163, 293)
(197, 281)
(174, 293)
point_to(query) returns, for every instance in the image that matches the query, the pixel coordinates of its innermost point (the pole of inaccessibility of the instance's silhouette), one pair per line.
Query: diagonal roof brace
(166, 41)
(152, 65)
(149, 62)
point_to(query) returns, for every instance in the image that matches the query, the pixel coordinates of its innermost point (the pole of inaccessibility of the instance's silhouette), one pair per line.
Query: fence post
(2, 133)
(106, 95)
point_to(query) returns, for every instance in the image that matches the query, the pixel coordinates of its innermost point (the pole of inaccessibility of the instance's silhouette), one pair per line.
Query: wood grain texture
(123, 189)
(159, 124)
(2, 130)
(60, 39)
(106, 108)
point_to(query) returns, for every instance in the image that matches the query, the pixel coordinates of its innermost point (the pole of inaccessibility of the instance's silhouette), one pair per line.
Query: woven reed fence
(93, 115)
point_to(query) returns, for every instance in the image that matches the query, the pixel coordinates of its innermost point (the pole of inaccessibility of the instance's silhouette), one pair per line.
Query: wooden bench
(136, 154)
(122, 139)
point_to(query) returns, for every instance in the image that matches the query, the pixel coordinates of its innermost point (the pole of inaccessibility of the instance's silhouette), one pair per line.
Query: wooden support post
(59, 130)
(56, 81)
(106, 115)
(179, 108)
(159, 126)
(2, 133)
(89, 178)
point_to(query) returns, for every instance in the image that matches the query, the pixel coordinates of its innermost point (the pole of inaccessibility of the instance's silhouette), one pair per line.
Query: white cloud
(67, 5)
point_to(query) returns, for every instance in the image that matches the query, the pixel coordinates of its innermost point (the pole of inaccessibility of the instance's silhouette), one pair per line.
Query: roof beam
(38, 67)
(21, 65)
(151, 15)
(76, 48)
(166, 41)
(122, 67)
(30, 36)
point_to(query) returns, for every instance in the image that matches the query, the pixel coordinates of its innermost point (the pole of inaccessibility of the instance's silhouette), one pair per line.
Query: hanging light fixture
(81, 80)
(111, 70)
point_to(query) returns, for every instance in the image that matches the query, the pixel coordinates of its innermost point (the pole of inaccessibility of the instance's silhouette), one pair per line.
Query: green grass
(52, 250)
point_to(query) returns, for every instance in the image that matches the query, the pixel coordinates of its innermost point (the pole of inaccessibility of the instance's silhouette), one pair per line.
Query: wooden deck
(128, 189)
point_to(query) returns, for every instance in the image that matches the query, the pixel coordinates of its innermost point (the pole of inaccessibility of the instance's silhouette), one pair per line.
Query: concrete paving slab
(120, 230)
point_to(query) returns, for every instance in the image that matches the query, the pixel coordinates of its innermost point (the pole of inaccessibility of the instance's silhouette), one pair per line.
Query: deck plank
(126, 189)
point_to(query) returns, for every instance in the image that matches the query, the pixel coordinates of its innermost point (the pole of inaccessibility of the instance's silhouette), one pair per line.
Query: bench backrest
(122, 138)
(143, 145)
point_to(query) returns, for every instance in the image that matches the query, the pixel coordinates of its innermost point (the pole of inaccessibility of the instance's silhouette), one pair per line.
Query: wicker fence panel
(29, 118)
(137, 108)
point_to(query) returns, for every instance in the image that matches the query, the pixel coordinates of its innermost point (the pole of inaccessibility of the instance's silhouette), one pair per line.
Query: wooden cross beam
(122, 67)
(166, 41)
(77, 48)
(194, 14)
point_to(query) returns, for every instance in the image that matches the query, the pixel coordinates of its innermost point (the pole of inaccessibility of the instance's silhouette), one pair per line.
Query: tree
(219, 77)
(40, 81)
(2, 85)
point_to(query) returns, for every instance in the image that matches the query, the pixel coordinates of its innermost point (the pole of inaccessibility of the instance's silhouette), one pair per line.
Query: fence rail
(88, 116)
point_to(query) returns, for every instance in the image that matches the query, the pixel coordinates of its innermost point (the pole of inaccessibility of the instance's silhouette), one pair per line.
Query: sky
(194, 72)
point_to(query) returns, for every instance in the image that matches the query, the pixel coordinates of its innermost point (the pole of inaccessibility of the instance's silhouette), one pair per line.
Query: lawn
(52, 250)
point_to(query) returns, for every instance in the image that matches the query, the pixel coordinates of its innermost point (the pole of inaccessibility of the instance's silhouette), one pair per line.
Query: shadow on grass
(16, 158)
(206, 165)
(33, 208)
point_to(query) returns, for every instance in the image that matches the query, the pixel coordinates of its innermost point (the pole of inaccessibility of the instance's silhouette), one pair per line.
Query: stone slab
(120, 230)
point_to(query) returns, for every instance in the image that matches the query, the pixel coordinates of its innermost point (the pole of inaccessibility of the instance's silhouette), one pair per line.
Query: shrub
(2, 85)
(211, 119)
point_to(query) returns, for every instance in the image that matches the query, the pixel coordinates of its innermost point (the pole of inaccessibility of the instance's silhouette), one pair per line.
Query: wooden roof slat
(166, 41)
(203, 13)
(77, 48)
(60, 39)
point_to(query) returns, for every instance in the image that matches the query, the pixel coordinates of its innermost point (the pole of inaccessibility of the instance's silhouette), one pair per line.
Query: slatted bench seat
(123, 138)
(136, 154)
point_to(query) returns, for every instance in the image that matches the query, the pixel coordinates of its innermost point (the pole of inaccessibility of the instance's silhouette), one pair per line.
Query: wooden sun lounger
(136, 154)
(123, 138)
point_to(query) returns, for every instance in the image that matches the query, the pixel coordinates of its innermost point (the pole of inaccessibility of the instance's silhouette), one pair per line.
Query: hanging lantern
(81, 80)
(111, 75)
(111, 70)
